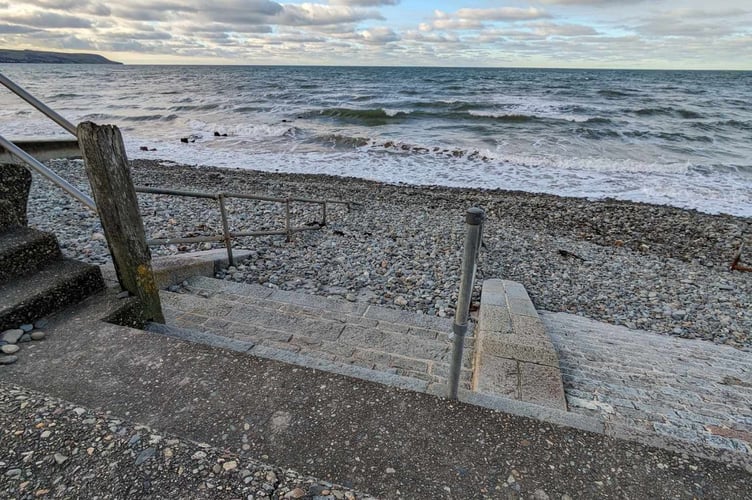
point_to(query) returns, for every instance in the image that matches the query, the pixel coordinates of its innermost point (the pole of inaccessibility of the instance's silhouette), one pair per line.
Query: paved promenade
(690, 394)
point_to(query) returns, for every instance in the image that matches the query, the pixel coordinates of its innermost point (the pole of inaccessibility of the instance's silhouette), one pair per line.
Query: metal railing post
(225, 229)
(474, 220)
(287, 220)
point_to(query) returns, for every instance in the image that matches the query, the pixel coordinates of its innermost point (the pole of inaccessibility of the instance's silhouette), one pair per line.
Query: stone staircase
(35, 279)
(356, 339)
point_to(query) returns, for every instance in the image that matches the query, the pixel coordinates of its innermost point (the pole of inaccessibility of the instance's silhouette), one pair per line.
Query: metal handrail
(227, 235)
(30, 160)
(46, 110)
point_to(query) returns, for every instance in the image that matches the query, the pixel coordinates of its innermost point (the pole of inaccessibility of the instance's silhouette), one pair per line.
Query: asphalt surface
(384, 441)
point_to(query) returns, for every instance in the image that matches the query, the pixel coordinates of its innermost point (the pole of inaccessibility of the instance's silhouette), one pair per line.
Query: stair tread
(253, 294)
(52, 286)
(338, 331)
(24, 249)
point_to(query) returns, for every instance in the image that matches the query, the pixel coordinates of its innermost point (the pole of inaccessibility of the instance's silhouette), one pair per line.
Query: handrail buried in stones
(35, 164)
(228, 235)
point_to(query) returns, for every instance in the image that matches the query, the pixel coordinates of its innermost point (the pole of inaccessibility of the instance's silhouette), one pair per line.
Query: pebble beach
(650, 267)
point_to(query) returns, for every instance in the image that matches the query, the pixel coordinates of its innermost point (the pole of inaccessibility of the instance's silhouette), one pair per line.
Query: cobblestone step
(643, 384)
(403, 344)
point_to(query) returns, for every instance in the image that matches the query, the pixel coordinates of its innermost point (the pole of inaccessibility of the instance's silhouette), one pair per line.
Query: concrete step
(344, 333)
(53, 286)
(23, 250)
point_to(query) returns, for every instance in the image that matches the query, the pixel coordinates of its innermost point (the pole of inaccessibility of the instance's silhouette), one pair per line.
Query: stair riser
(74, 289)
(23, 259)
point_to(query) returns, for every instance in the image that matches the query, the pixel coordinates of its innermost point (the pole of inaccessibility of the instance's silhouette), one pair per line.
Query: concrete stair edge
(514, 358)
(54, 286)
(24, 249)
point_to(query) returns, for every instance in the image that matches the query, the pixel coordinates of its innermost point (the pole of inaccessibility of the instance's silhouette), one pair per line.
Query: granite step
(23, 250)
(55, 285)
(345, 333)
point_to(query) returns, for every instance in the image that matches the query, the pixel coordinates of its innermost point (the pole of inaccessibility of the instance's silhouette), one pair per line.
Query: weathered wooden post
(107, 168)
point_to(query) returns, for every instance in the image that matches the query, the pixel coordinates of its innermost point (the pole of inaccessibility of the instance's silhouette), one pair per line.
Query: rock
(145, 455)
(9, 349)
(42, 323)
(231, 465)
(199, 455)
(123, 295)
(390, 470)
(24, 338)
(60, 458)
(8, 360)
(12, 336)
(45, 434)
(296, 493)
(540, 495)
(98, 237)
(13, 472)
(79, 411)
(400, 301)
(27, 327)
(38, 335)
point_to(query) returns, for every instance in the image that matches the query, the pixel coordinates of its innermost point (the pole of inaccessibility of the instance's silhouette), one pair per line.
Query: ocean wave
(142, 118)
(373, 116)
(666, 111)
(197, 107)
(616, 94)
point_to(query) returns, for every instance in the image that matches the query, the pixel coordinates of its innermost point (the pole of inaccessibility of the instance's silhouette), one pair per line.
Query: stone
(60, 458)
(145, 455)
(296, 493)
(38, 335)
(13, 472)
(8, 360)
(9, 349)
(45, 434)
(27, 327)
(390, 470)
(231, 465)
(12, 336)
(400, 301)
(199, 455)
(42, 323)
(24, 338)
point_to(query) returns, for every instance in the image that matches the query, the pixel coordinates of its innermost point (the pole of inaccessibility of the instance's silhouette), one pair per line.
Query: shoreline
(653, 267)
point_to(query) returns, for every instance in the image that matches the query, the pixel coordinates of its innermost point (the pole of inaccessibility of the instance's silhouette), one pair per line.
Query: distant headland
(38, 56)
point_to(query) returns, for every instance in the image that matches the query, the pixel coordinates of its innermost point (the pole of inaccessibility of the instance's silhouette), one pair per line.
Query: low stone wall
(515, 358)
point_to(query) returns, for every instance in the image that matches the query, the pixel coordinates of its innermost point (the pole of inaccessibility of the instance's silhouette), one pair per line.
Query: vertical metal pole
(474, 220)
(226, 229)
(287, 220)
(323, 214)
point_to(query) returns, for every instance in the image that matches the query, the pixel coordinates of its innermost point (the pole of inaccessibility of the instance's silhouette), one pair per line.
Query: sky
(681, 34)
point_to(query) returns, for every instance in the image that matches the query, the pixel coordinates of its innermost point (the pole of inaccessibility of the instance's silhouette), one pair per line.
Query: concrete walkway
(382, 440)
(691, 395)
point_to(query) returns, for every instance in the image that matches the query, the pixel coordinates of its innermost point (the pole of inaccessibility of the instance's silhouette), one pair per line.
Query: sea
(681, 138)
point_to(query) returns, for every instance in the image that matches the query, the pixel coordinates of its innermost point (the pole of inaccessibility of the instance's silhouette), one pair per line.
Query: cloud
(49, 20)
(15, 29)
(364, 3)
(502, 14)
(309, 14)
(592, 2)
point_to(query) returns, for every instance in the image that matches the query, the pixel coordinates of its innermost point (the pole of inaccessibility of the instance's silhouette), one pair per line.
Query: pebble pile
(53, 449)
(12, 340)
(650, 267)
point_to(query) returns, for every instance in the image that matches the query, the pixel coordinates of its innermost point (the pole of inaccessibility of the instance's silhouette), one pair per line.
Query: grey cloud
(318, 14)
(364, 3)
(502, 14)
(592, 2)
(16, 29)
(50, 20)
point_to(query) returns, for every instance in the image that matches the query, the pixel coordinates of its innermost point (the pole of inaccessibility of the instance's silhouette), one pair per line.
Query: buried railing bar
(474, 221)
